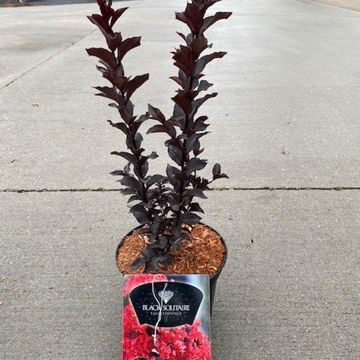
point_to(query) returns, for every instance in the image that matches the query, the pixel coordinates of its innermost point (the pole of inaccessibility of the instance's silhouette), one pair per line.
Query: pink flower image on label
(156, 340)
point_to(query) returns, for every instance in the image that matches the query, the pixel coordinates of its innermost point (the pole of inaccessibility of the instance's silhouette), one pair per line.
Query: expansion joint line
(264, 188)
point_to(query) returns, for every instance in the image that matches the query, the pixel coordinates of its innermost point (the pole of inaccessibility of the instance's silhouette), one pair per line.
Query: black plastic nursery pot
(213, 279)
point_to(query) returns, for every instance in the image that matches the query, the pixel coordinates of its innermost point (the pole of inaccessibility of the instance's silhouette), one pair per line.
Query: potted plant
(170, 237)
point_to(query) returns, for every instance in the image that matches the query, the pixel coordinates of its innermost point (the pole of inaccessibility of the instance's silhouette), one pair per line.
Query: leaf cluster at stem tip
(165, 205)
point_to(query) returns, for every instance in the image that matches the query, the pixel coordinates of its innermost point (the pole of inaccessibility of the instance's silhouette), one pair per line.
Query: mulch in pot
(203, 253)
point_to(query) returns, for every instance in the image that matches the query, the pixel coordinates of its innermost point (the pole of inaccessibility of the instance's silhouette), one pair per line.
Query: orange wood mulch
(204, 253)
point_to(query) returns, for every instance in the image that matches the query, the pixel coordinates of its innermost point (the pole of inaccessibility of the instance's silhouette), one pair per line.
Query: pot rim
(213, 277)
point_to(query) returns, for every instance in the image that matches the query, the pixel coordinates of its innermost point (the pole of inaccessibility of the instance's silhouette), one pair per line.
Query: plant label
(166, 317)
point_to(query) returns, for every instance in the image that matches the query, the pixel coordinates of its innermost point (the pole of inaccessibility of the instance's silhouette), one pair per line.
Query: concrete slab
(289, 290)
(29, 38)
(32, 35)
(348, 4)
(286, 116)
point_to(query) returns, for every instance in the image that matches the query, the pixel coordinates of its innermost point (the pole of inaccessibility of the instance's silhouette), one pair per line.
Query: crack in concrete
(46, 60)
(55, 54)
(289, 188)
(264, 188)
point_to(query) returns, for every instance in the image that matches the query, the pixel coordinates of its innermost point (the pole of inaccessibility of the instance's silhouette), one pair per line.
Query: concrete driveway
(285, 128)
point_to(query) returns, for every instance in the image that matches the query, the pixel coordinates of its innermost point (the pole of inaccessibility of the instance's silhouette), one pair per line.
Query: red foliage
(181, 343)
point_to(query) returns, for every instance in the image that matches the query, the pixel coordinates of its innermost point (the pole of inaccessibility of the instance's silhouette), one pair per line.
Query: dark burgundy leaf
(204, 60)
(117, 15)
(141, 119)
(101, 69)
(184, 59)
(170, 128)
(200, 183)
(99, 21)
(127, 156)
(113, 40)
(175, 154)
(179, 116)
(181, 35)
(172, 171)
(110, 93)
(155, 179)
(156, 129)
(127, 168)
(216, 169)
(127, 117)
(153, 155)
(210, 20)
(106, 74)
(190, 143)
(155, 227)
(198, 102)
(184, 79)
(134, 126)
(190, 218)
(133, 198)
(196, 207)
(148, 252)
(162, 243)
(114, 105)
(175, 206)
(182, 17)
(204, 85)
(105, 55)
(120, 125)
(131, 182)
(177, 80)
(143, 170)
(117, 173)
(197, 150)
(199, 124)
(195, 193)
(209, 3)
(176, 244)
(199, 45)
(138, 262)
(130, 107)
(105, 8)
(140, 213)
(164, 259)
(200, 135)
(138, 139)
(135, 83)
(119, 80)
(183, 68)
(127, 45)
(155, 113)
(217, 172)
(127, 191)
(183, 100)
(221, 176)
(196, 164)
(150, 267)
(195, 16)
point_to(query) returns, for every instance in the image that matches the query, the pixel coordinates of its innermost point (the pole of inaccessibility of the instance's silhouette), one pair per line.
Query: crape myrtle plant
(165, 205)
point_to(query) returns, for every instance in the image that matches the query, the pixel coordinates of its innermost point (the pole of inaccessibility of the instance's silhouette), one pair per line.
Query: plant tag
(166, 317)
